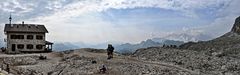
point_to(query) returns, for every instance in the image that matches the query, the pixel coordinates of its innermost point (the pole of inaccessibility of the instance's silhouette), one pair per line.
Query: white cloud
(77, 8)
(225, 20)
(64, 8)
(58, 16)
(94, 30)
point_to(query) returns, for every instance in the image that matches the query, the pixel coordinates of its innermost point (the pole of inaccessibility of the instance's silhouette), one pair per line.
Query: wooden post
(51, 47)
(8, 68)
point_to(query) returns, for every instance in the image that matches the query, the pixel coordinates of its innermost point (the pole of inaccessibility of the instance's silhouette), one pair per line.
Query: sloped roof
(47, 42)
(25, 28)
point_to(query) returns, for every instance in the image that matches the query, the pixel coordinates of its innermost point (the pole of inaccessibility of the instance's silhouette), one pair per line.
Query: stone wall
(25, 41)
(14, 61)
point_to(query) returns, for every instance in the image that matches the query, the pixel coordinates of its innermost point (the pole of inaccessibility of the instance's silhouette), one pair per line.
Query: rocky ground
(146, 61)
(201, 62)
(79, 62)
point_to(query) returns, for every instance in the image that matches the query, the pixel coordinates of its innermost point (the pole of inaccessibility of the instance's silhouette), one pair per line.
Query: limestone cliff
(236, 26)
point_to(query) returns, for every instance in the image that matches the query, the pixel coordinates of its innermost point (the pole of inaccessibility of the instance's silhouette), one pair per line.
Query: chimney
(22, 22)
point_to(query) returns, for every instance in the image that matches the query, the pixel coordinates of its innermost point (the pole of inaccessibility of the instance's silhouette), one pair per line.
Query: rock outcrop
(236, 26)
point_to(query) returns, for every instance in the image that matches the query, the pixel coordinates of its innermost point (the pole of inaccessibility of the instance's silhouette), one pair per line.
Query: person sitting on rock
(103, 69)
(110, 51)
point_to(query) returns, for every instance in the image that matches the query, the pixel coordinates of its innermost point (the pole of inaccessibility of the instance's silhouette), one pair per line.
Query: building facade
(23, 38)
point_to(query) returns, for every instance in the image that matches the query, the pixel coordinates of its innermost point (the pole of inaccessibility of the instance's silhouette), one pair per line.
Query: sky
(132, 21)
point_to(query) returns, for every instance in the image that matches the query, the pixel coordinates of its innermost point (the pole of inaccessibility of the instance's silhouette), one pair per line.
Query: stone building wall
(25, 42)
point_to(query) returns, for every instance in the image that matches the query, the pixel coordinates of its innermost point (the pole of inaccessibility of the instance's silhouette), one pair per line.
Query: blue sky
(100, 21)
(155, 18)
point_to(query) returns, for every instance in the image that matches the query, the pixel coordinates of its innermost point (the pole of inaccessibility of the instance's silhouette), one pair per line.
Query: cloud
(225, 19)
(71, 20)
(91, 28)
(63, 8)
(188, 7)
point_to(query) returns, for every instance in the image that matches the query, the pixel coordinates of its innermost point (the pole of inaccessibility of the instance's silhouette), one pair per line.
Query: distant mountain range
(64, 46)
(61, 46)
(130, 48)
(186, 37)
(121, 48)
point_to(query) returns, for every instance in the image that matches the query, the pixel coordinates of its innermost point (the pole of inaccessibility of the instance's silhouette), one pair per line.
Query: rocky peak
(148, 41)
(236, 26)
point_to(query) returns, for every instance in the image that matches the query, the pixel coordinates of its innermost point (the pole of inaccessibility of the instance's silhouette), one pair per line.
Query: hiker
(103, 69)
(110, 51)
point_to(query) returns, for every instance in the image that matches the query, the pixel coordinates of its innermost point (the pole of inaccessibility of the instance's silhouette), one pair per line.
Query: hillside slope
(203, 62)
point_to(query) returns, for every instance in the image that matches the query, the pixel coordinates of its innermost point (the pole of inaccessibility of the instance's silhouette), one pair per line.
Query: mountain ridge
(154, 42)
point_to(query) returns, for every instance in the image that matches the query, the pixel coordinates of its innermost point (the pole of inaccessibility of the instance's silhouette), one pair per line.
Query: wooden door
(13, 47)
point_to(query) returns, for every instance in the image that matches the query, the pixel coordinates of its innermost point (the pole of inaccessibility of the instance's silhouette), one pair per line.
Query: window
(20, 36)
(13, 37)
(29, 36)
(29, 46)
(39, 37)
(20, 46)
(17, 36)
(39, 46)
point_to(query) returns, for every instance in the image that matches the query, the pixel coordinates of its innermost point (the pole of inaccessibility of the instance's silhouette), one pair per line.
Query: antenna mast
(10, 18)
